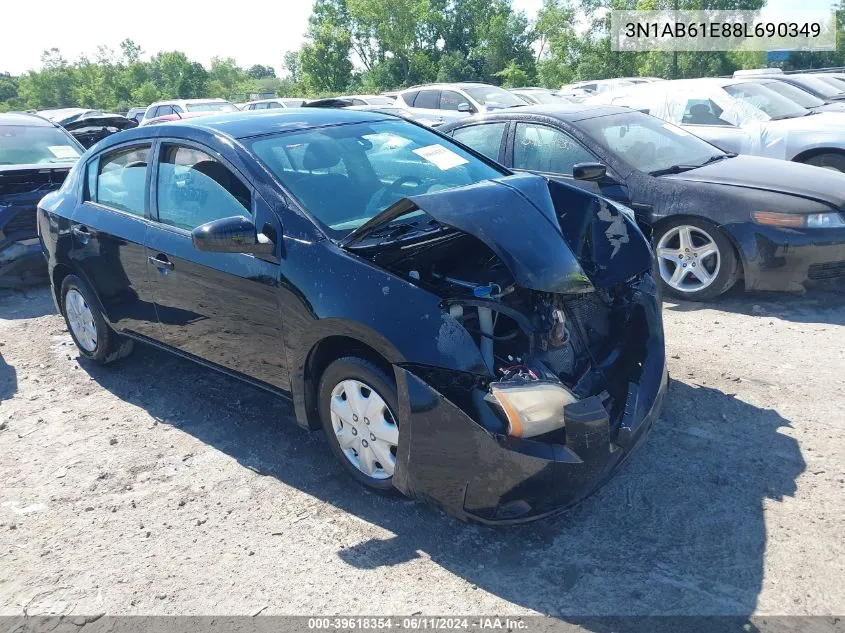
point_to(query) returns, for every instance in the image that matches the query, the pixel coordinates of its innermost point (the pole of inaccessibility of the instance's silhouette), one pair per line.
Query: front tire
(94, 339)
(828, 160)
(697, 262)
(357, 405)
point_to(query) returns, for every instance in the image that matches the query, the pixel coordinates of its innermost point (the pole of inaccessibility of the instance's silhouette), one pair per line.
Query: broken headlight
(532, 408)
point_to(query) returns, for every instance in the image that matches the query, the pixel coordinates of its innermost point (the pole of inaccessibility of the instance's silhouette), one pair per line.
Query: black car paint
(274, 320)
(725, 192)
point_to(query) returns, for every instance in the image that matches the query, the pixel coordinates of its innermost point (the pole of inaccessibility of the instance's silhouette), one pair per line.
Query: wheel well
(664, 221)
(803, 156)
(60, 271)
(322, 355)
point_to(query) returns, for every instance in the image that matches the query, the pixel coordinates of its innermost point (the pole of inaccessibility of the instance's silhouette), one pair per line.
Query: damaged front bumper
(447, 458)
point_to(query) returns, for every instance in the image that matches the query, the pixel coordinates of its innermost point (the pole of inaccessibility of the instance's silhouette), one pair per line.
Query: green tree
(324, 58)
(176, 77)
(257, 71)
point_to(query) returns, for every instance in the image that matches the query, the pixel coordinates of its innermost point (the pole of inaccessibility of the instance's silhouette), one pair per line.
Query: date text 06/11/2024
(415, 623)
(722, 29)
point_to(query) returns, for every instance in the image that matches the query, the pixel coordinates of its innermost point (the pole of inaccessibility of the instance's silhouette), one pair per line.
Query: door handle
(81, 233)
(161, 261)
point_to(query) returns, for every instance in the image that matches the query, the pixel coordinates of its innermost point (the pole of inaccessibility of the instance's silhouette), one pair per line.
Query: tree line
(370, 46)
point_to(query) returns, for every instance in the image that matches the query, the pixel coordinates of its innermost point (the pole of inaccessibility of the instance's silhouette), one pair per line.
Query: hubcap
(365, 428)
(81, 320)
(689, 258)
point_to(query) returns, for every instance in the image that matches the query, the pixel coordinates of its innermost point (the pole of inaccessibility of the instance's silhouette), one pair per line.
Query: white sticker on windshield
(440, 156)
(676, 130)
(63, 151)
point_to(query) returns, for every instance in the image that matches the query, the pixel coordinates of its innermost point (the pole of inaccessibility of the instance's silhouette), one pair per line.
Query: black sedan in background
(35, 157)
(488, 341)
(715, 217)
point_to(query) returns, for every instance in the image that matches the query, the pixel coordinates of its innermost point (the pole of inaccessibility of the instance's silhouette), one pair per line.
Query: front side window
(347, 174)
(121, 179)
(544, 149)
(273, 105)
(702, 112)
(646, 143)
(194, 188)
(485, 138)
(428, 99)
(36, 145)
(450, 100)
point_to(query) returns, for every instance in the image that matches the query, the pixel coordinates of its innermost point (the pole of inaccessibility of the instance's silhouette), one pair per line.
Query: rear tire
(697, 261)
(828, 160)
(94, 339)
(357, 403)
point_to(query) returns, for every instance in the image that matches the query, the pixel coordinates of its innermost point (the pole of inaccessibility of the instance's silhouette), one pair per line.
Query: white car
(581, 90)
(181, 106)
(466, 98)
(271, 104)
(741, 115)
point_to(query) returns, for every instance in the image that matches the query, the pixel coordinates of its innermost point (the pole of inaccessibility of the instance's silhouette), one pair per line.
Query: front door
(546, 150)
(221, 307)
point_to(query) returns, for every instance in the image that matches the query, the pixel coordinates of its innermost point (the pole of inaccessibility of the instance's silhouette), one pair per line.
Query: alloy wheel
(365, 428)
(688, 258)
(81, 320)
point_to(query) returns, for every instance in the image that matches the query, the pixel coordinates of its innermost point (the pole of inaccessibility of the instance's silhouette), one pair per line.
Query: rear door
(108, 230)
(220, 307)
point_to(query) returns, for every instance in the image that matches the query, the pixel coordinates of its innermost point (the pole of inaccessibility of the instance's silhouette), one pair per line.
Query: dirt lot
(158, 487)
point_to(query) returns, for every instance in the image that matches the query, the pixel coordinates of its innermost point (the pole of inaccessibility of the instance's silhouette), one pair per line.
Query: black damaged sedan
(488, 342)
(716, 218)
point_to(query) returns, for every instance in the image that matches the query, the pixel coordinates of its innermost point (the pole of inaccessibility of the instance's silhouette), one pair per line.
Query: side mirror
(464, 107)
(231, 235)
(589, 171)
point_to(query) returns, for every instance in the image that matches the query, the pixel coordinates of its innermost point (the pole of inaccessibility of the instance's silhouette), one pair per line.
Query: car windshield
(30, 145)
(769, 101)
(493, 97)
(833, 81)
(347, 174)
(647, 143)
(818, 86)
(211, 106)
(793, 93)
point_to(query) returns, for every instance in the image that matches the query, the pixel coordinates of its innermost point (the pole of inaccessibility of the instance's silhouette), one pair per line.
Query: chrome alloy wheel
(688, 258)
(81, 320)
(365, 428)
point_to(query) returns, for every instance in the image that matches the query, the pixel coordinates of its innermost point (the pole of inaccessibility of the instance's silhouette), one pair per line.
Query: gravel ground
(156, 486)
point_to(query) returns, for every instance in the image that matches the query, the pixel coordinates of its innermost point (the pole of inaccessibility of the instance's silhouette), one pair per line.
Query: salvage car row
(472, 314)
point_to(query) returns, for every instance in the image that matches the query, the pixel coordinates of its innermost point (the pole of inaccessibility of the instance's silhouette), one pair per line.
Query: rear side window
(428, 99)
(118, 179)
(485, 138)
(410, 97)
(194, 188)
(273, 105)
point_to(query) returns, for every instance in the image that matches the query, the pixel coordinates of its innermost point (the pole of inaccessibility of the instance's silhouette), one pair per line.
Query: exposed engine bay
(565, 347)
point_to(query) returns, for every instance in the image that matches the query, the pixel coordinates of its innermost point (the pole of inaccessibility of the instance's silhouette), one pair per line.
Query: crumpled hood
(552, 237)
(769, 174)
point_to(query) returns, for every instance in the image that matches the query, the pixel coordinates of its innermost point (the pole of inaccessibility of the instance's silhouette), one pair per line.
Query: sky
(251, 31)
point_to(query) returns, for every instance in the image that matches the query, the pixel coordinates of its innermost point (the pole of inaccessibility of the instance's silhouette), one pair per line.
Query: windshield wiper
(677, 169)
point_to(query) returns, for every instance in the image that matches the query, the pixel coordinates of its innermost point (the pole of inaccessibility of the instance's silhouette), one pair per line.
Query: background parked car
(183, 106)
(465, 98)
(580, 90)
(799, 95)
(716, 217)
(35, 157)
(136, 114)
(741, 116)
(270, 104)
(430, 120)
(89, 126)
(814, 84)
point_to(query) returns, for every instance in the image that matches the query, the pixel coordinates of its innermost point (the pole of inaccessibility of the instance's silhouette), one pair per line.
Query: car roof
(208, 100)
(462, 85)
(24, 118)
(258, 122)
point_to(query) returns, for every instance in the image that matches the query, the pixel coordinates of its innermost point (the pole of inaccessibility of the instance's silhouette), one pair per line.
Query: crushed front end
(565, 312)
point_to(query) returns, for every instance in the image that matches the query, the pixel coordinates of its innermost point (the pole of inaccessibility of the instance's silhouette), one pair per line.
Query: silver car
(465, 98)
(741, 115)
